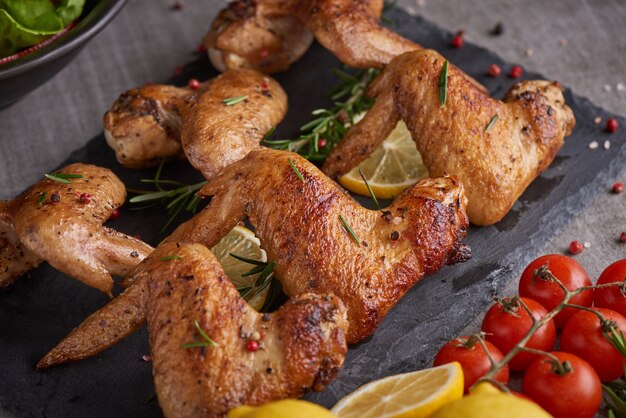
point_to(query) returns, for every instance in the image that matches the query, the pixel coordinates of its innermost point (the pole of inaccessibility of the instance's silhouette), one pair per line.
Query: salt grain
(620, 87)
(587, 244)
(597, 120)
(593, 145)
(607, 87)
(563, 42)
(607, 144)
(529, 52)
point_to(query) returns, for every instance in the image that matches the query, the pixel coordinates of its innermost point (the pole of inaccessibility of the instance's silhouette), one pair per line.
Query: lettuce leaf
(24, 23)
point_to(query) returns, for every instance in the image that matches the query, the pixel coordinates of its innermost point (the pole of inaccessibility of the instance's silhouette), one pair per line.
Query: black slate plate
(40, 310)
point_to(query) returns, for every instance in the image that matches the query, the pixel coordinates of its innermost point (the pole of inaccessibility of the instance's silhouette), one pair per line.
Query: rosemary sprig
(234, 100)
(264, 279)
(369, 189)
(63, 177)
(178, 196)
(349, 229)
(443, 84)
(328, 126)
(42, 198)
(617, 339)
(295, 169)
(491, 122)
(207, 340)
(615, 397)
(170, 257)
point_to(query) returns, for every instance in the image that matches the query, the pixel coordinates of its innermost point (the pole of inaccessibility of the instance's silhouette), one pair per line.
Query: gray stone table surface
(578, 42)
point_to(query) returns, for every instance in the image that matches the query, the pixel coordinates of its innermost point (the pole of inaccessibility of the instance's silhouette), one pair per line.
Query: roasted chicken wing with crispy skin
(305, 227)
(300, 347)
(244, 36)
(61, 223)
(496, 148)
(157, 122)
(260, 33)
(15, 258)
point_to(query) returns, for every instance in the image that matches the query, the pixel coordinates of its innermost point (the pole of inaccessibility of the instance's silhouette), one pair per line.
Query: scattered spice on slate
(618, 187)
(593, 145)
(575, 247)
(587, 244)
(516, 71)
(597, 120)
(529, 52)
(607, 144)
(194, 84)
(498, 29)
(563, 42)
(457, 40)
(178, 5)
(147, 358)
(612, 125)
(607, 88)
(620, 87)
(494, 70)
(622, 237)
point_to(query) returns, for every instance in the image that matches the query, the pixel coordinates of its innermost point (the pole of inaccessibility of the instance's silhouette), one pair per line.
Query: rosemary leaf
(63, 177)
(247, 260)
(350, 231)
(369, 189)
(492, 122)
(170, 257)
(443, 84)
(268, 134)
(42, 198)
(207, 340)
(295, 169)
(234, 100)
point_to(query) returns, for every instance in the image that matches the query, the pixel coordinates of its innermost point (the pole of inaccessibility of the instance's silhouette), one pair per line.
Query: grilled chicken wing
(301, 346)
(62, 224)
(496, 164)
(304, 226)
(251, 33)
(300, 227)
(15, 258)
(147, 125)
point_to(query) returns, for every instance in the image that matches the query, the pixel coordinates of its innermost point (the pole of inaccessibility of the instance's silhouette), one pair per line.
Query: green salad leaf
(24, 23)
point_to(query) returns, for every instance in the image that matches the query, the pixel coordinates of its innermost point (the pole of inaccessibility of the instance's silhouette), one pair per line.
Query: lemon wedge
(410, 395)
(394, 166)
(242, 242)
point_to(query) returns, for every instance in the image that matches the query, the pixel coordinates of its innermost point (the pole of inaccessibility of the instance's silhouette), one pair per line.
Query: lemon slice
(394, 166)
(415, 395)
(241, 241)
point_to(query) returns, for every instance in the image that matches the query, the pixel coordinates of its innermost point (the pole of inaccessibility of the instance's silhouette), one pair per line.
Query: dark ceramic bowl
(19, 77)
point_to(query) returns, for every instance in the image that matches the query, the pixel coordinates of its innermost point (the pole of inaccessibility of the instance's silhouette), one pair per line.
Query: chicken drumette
(259, 33)
(299, 347)
(496, 148)
(61, 223)
(157, 122)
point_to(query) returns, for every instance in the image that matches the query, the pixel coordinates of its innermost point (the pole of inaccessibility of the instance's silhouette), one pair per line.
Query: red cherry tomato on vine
(549, 294)
(507, 322)
(577, 393)
(583, 336)
(612, 297)
(474, 361)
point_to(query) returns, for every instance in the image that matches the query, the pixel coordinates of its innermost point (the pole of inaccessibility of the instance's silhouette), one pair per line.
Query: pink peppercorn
(516, 71)
(194, 84)
(575, 247)
(618, 187)
(611, 125)
(494, 70)
(252, 345)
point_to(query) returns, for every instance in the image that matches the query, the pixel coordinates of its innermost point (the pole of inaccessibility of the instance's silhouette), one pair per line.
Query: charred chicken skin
(300, 347)
(495, 164)
(61, 223)
(260, 34)
(157, 122)
(304, 225)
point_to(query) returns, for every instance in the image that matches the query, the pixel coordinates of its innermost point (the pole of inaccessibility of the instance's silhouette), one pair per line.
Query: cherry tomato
(548, 293)
(583, 336)
(507, 322)
(612, 297)
(575, 394)
(474, 361)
